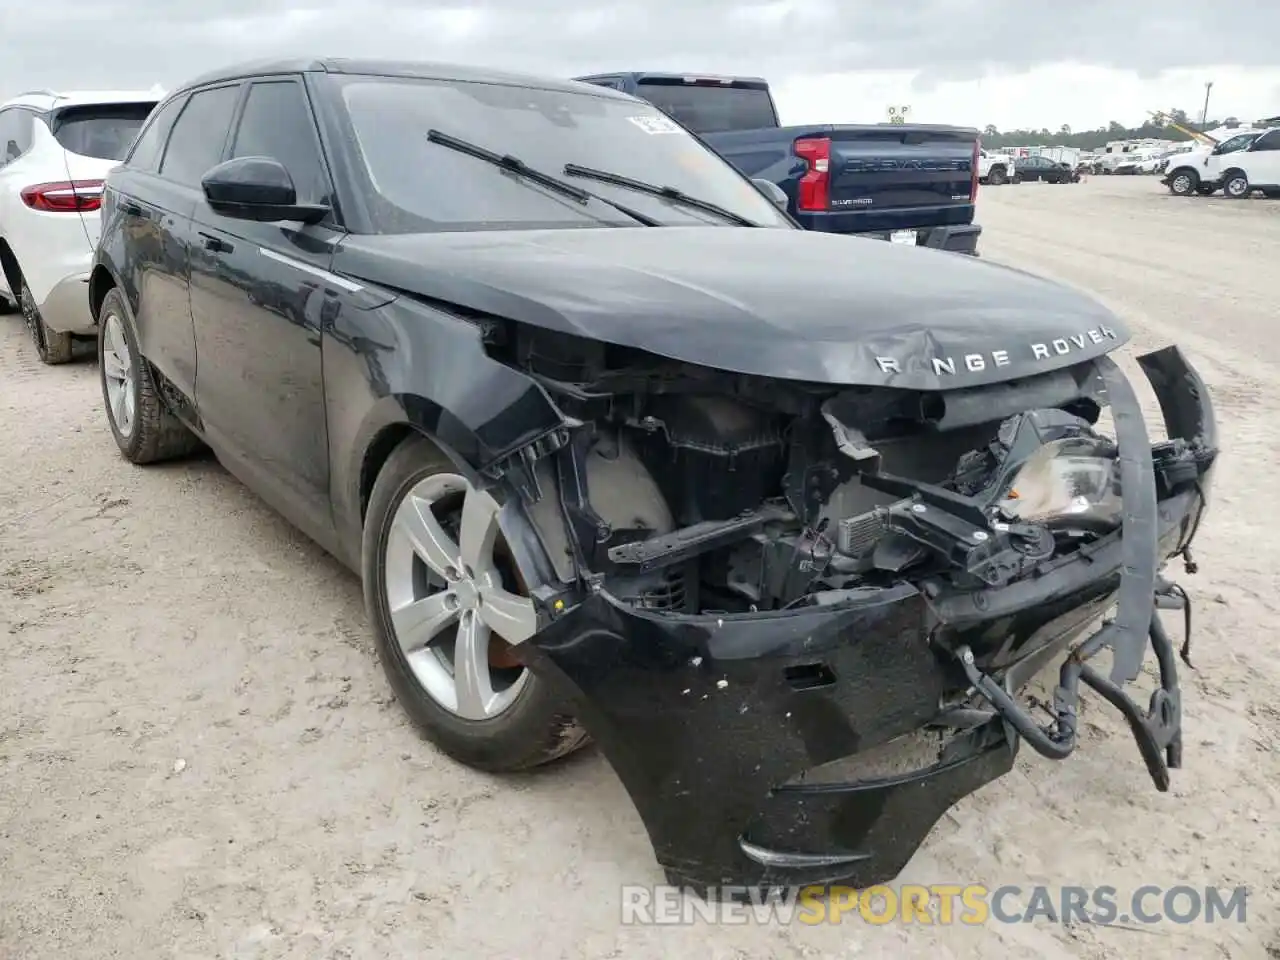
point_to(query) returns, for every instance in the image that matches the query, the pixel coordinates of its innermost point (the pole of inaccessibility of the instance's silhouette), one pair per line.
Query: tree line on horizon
(1064, 136)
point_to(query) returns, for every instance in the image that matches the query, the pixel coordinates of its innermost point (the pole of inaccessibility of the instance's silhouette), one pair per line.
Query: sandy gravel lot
(199, 756)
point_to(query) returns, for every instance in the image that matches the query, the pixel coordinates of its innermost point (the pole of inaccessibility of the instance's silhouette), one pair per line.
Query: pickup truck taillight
(68, 196)
(813, 193)
(973, 171)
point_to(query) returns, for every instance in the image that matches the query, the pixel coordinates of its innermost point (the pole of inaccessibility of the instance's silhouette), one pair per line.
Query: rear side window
(105, 131)
(712, 109)
(146, 151)
(15, 134)
(277, 123)
(199, 135)
(1269, 141)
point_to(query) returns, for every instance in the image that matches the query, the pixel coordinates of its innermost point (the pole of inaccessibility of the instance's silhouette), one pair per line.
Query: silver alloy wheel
(1237, 186)
(117, 374)
(447, 599)
(1182, 184)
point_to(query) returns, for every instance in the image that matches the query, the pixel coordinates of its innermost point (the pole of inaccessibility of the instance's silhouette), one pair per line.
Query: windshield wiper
(518, 167)
(667, 193)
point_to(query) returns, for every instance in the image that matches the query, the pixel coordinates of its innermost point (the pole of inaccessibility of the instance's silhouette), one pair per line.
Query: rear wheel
(144, 428)
(449, 605)
(1236, 185)
(52, 348)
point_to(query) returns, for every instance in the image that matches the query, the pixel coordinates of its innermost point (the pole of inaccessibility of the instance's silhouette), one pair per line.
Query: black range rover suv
(784, 523)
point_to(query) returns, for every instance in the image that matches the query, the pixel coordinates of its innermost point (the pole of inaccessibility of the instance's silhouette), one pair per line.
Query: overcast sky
(1015, 64)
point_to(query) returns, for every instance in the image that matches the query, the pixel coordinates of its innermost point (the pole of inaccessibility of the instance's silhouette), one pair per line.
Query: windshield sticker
(656, 124)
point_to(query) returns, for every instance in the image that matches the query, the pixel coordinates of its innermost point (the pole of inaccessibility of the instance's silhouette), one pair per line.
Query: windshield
(421, 186)
(104, 131)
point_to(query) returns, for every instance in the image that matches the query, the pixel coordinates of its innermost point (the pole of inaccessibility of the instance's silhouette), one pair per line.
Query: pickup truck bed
(909, 183)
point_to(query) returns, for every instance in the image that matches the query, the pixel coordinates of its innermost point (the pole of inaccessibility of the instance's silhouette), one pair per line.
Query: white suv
(1201, 170)
(55, 151)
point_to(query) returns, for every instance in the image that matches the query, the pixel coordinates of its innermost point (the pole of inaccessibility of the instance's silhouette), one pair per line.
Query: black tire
(1235, 185)
(535, 729)
(1184, 182)
(52, 348)
(155, 434)
(997, 175)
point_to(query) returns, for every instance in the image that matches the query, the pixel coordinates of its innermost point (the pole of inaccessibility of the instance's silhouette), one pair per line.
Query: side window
(1270, 141)
(15, 134)
(199, 135)
(8, 125)
(146, 151)
(277, 123)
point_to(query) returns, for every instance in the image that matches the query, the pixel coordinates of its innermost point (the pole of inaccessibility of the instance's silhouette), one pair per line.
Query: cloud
(71, 44)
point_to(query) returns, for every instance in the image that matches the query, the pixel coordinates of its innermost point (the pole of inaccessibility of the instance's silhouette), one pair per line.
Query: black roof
(423, 70)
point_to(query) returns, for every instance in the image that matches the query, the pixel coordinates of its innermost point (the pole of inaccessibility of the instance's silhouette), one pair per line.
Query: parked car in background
(1034, 169)
(1164, 159)
(1255, 167)
(57, 149)
(602, 430)
(996, 168)
(1200, 170)
(914, 184)
(1130, 164)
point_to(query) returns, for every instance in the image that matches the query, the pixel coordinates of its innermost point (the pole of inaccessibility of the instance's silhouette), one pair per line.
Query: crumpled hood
(781, 303)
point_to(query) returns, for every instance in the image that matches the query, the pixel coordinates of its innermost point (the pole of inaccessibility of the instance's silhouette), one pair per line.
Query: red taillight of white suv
(66, 196)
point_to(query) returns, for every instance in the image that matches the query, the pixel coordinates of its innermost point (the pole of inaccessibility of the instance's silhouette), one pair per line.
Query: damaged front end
(799, 619)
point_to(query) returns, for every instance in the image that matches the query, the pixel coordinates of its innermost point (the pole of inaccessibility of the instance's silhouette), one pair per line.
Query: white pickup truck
(994, 168)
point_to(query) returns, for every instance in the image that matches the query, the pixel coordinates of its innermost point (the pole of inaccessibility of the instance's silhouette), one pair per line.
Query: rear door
(258, 297)
(1263, 160)
(158, 217)
(94, 139)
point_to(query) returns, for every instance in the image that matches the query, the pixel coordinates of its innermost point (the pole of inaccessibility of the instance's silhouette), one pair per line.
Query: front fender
(407, 366)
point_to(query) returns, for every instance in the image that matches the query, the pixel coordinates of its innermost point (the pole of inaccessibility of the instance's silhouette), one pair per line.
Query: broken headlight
(1071, 482)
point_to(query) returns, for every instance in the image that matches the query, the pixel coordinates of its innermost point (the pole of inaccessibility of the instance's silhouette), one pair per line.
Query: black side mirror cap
(258, 189)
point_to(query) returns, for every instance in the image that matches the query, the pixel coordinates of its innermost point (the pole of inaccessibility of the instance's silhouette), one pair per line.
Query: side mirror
(773, 192)
(258, 189)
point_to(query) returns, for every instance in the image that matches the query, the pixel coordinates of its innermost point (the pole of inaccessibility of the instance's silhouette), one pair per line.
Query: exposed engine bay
(694, 490)
(836, 573)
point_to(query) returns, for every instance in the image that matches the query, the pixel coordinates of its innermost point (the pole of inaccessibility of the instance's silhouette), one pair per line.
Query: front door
(258, 301)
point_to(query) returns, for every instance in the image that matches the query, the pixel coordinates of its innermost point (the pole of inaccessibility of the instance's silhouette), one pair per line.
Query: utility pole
(1204, 115)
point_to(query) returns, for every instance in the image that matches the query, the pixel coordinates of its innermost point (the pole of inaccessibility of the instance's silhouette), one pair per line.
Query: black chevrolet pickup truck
(906, 183)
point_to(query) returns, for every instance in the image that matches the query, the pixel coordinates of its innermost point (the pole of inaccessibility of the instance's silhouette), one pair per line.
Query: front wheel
(1236, 185)
(1184, 183)
(997, 176)
(449, 606)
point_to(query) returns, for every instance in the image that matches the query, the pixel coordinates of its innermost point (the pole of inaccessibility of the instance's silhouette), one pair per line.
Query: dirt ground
(199, 756)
